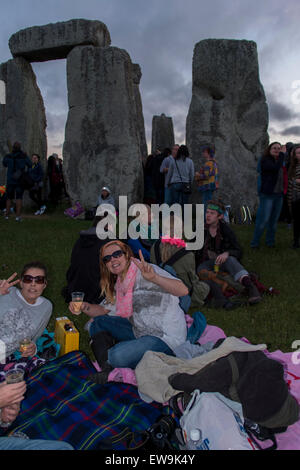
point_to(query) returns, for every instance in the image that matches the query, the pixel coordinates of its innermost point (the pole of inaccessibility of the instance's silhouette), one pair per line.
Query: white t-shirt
(156, 312)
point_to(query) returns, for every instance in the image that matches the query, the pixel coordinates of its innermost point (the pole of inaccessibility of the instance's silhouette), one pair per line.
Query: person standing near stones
(149, 172)
(37, 174)
(164, 168)
(181, 171)
(15, 162)
(293, 194)
(208, 176)
(159, 180)
(55, 176)
(271, 190)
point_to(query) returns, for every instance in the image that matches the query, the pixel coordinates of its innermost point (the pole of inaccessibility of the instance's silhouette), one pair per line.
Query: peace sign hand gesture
(5, 284)
(146, 269)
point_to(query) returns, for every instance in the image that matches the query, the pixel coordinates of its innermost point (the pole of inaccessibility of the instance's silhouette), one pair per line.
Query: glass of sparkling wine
(25, 343)
(77, 299)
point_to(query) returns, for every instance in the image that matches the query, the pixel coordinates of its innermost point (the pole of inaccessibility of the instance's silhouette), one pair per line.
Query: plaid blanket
(61, 404)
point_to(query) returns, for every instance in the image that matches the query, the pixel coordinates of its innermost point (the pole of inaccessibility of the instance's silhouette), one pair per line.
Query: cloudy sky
(160, 35)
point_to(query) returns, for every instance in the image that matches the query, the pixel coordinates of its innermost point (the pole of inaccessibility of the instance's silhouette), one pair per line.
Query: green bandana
(215, 208)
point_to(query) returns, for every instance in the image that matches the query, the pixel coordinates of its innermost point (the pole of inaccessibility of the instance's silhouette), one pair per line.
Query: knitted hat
(105, 188)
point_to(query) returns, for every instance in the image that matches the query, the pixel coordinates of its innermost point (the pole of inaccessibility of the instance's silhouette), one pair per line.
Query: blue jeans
(231, 266)
(167, 198)
(130, 350)
(267, 216)
(18, 443)
(206, 196)
(177, 196)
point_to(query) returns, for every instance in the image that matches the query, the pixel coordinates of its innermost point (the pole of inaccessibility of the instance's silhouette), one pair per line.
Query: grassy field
(275, 321)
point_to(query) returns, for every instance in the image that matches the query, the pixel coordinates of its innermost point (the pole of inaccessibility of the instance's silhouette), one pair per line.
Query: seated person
(11, 396)
(83, 274)
(106, 197)
(24, 313)
(222, 248)
(171, 252)
(147, 315)
(144, 242)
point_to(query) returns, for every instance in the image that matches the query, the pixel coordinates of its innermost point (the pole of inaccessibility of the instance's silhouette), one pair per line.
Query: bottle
(195, 441)
(216, 268)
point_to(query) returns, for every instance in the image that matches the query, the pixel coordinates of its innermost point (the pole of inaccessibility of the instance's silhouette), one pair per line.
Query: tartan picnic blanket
(61, 404)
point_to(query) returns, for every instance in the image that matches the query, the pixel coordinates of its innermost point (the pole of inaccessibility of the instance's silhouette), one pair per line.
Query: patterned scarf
(124, 292)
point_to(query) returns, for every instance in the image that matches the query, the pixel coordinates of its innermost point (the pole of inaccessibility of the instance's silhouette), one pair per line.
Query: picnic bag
(219, 420)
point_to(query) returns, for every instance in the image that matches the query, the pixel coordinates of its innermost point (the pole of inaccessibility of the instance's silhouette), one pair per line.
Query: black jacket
(228, 242)
(269, 173)
(83, 274)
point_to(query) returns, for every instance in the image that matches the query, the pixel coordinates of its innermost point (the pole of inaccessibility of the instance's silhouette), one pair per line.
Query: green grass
(275, 321)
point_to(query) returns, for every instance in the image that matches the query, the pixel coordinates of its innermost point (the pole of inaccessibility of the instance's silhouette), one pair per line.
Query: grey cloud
(56, 123)
(160, 36)
(291, 131)
(279, 111)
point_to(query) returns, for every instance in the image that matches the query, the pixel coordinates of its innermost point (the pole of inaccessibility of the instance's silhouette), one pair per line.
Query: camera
(161, 431)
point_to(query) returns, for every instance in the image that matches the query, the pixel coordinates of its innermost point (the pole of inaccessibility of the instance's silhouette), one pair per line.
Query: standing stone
(137, 74)
(101, 141)
(229, 109)
(56, 40)
(22, 118)
(162, 133)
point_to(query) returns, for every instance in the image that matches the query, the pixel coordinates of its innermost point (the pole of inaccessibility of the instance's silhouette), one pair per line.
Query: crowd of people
(138, 292)
(25, 174)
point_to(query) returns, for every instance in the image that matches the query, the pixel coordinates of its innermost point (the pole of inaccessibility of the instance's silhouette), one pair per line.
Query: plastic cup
(14, 376)
(77, 299)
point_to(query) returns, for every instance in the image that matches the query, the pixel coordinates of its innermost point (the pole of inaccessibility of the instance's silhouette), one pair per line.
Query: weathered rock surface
(137, 74)
(228, 109)
(22, 118)
(55, 40)
(162, 133)
(102, 145)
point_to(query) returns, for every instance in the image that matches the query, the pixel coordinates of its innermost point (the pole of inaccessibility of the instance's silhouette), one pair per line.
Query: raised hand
(146, 269)
(5, 284)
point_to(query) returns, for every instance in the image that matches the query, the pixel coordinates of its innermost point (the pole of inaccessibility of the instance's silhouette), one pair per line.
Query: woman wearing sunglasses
(145, 316)
(24, 313)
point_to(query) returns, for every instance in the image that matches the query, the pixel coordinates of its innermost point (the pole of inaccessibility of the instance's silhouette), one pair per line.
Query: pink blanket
(289, 440)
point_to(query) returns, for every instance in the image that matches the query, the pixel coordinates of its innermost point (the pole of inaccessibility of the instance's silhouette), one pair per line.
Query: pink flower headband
(173, 241)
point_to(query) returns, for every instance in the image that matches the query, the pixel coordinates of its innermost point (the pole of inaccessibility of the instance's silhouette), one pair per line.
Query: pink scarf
(124, 292)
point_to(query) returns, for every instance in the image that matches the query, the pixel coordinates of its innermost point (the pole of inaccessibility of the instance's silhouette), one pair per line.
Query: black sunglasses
(115, 254)
(27, 279)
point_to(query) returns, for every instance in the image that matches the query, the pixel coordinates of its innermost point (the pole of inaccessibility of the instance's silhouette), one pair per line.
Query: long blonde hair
(167, 250)
(108, 280)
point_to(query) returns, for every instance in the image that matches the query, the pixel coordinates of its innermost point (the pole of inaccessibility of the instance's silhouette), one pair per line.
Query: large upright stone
(101, 142)
(228, 109)
(137, 74)
(56, 40)
(162, 133)
(22, 118)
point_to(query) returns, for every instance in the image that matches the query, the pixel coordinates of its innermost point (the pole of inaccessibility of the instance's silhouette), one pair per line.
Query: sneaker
(37, 212)
(42, 210)
(18, 219)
